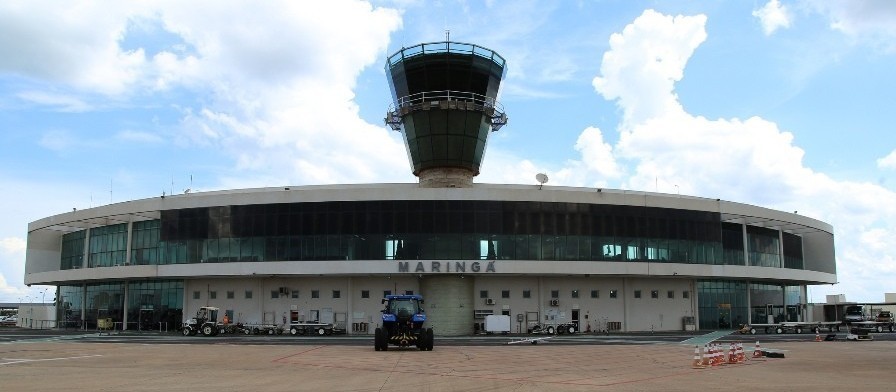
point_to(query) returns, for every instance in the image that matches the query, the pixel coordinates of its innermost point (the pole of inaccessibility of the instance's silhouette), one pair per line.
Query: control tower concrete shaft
(444, 104)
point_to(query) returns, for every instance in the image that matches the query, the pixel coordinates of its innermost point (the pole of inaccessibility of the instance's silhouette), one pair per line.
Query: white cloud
(139, 137)
(868, 21)
(658, 64)
(888, 162)
(12, 245)
(773, 15)
(750, 160)
(63, 103)
(74, 44)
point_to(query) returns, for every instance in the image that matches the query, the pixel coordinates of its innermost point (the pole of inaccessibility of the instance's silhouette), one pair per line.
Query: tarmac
(42, 365)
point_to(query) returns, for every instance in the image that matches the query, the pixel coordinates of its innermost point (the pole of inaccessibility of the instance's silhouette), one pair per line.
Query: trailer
(791, 327)
(260, 329)
(551, 329)
(875, 326)
(312, 328)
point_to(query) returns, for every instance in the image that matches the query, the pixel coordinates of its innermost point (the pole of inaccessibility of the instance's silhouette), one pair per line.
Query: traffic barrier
(698, 362)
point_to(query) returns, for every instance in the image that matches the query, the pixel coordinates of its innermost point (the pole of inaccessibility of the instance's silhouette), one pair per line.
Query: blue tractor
(403, 319)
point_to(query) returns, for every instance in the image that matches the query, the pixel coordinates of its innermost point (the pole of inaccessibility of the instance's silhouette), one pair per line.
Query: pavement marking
(13, 361)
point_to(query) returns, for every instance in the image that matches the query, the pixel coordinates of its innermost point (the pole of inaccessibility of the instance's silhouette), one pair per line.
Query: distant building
(599, 258)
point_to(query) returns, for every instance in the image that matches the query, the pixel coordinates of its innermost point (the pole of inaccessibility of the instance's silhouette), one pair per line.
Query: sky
(782, 104)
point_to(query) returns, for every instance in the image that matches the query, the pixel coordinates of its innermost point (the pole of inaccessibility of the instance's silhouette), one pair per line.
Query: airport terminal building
(602, 259)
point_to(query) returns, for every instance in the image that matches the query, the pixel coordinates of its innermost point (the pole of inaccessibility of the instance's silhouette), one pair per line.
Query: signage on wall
(446, 267)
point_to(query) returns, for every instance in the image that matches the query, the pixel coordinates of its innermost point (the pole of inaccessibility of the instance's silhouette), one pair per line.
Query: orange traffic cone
(757, 352)
(741, 357)
(698, 362)
(713, 355)
(817, 337)
(707, 360)
(732, 357)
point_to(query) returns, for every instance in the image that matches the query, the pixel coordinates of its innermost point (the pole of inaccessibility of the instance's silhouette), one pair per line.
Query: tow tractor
(205, 322)
(403, 320)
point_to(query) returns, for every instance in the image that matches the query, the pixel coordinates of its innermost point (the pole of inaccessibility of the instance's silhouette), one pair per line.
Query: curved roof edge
(148, 208)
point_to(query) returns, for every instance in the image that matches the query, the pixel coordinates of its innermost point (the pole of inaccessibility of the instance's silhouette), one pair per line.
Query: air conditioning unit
(284, 291)
(489, 301)
(555, 302)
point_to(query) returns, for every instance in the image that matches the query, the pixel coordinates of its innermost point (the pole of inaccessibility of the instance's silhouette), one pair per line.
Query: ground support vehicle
(552, 329)
(261, 329)
(205, 322)
(311, 328)
(874, 326)
(791, 327)
(403, 320)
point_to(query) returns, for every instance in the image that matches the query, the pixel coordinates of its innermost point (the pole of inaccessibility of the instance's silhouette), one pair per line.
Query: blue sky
(783, 104)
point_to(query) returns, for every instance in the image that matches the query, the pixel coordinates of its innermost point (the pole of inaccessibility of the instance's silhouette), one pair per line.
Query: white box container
(497, 323)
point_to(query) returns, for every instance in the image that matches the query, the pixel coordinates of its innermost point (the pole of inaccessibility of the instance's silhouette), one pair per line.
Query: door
(575, 319)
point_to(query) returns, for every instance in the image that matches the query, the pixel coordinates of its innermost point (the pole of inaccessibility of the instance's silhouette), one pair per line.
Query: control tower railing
(446, 100)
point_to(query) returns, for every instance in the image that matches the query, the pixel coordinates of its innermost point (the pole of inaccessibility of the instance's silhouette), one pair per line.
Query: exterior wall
(632, 314)
(351, 277)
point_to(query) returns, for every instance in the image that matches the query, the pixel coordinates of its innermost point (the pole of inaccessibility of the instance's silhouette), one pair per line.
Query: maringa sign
(446, 266)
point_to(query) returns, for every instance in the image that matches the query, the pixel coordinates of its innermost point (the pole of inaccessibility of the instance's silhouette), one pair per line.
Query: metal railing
(444, 47)
(446, 99)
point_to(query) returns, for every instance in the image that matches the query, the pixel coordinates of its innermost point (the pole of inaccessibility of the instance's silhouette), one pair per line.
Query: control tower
(444, 103)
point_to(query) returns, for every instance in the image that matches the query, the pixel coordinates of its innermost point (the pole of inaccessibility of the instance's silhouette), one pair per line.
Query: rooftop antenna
(542, 178)
(447, 35)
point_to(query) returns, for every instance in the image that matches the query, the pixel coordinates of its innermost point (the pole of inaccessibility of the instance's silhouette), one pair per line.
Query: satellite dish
(542, 178)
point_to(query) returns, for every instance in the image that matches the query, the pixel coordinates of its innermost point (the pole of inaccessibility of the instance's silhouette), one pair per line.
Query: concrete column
(448, 303)
(127, 254)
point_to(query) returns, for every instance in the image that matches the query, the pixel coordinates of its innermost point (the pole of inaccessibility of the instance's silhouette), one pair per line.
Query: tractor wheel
(321, 331)
(779, 330)
(207, 330)
(879, 328)
(293, 331)
(380, 340)
(799, 329)
(571, 329)
(247, 331)
(271, 331)
(550, 330)
(430, 339)
(187, 331)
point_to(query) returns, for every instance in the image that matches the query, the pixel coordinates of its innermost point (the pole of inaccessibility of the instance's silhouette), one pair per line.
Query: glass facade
(793, 251)
(722, 304)
(772, 304)
(71, 306)
(145, 242)
(73, 250)
(149, 303)
(438, 230)
(764, 247)
(154, 302)
(108, 245)
(432, 230)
